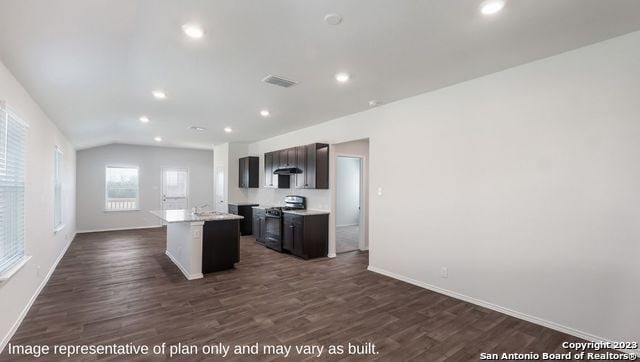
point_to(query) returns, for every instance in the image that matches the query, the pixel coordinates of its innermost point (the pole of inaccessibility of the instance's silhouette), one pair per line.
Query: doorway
(219, 188)
(348, 203)
(175, 188)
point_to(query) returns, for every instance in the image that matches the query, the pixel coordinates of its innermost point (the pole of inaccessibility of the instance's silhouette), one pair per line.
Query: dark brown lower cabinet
(246, 224)
(258, 225)
(220, 245)
(306, 236)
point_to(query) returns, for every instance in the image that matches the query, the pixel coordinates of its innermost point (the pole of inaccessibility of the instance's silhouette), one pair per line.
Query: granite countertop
(244, 203)
(187, 216)
(307, 212)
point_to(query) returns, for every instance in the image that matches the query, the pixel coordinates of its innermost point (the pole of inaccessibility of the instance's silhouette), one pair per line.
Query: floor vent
(279, 81)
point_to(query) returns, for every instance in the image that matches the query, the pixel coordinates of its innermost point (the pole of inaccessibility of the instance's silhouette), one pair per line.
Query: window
(121, 188)
(13, 136)
(58, 223)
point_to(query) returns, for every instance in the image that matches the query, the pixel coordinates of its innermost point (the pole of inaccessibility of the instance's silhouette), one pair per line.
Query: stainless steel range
(274, 219)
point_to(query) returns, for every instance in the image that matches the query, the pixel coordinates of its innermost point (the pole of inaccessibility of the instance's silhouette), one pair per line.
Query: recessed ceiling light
(491, 7)
(265, 113)
(196, 128)
(157, 139)
(193, 31)
(144, 119)
(228, 129)
(333, 19)
(342, 77)
(374, 103)
(158, 94)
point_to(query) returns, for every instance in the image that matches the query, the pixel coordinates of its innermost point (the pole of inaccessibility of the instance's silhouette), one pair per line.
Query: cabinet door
(301, 163)
(293, 238)
(322, 167)
(274, 166)
(268, 169)
(291, 157)
(283, 160)
(242, 172)
(252, 170)
(288, 237)
(310, 179)
(298, 236)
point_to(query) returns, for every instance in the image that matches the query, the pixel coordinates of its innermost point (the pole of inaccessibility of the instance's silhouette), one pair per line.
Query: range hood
(287, 171)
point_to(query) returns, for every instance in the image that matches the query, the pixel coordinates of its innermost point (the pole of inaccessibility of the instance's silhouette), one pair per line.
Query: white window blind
(121, 188)
(13, 137)
(58, 222)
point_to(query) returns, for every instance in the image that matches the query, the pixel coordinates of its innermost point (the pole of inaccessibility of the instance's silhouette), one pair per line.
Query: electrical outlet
(444, 272)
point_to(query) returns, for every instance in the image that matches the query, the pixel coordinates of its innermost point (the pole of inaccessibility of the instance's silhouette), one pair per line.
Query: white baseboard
(182, 269)
(119, 229)
(35, 295)
(339, 226)
(497, 308)
(331, 255)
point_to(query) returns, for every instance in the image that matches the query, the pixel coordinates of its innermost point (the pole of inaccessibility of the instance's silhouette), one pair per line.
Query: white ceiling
(91, 64)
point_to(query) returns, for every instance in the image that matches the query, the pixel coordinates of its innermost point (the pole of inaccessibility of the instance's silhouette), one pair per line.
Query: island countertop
(185, 215)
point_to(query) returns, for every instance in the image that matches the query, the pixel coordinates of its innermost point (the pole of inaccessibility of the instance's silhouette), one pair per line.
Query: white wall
(347, 191)
(150, 160)
(524, 183)
(43, 245)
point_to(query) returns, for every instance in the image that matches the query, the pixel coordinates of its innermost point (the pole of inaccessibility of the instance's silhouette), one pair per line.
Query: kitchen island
(202, 242)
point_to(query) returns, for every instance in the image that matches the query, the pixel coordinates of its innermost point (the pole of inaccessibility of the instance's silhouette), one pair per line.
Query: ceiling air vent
(279, 81)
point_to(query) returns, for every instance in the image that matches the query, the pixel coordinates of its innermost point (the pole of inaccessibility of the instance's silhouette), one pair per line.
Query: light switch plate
(379, 191)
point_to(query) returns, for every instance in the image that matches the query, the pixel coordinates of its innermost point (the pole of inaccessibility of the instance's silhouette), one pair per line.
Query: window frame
(58, 177)
(106, 190)
(11, 269)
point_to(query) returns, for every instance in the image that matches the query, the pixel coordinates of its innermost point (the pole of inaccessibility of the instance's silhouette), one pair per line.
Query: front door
(175, 188)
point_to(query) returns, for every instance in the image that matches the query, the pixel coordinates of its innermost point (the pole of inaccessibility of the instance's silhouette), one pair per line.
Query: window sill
(58, 228)
(127, 210)
(7, 274)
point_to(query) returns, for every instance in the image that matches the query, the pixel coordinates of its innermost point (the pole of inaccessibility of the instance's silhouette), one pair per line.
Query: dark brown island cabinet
(243, 209)
(306, 236)
(220, 245)
(306, 167)
(248, 172)
(259, 218)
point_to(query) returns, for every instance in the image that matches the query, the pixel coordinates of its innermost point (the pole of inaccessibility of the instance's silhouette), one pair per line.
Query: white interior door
(175, 188)
(220, 190)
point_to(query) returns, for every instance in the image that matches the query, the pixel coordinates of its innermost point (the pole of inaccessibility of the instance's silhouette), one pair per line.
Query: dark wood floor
(119, 287)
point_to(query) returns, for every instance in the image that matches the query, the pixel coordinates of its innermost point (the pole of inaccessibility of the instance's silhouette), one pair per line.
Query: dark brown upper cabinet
(248, 172)
(286, 158)
(272, 163)
(269, 177)
(313, 161)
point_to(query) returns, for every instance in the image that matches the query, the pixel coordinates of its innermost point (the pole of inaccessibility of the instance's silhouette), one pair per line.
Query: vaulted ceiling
(92, 64)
